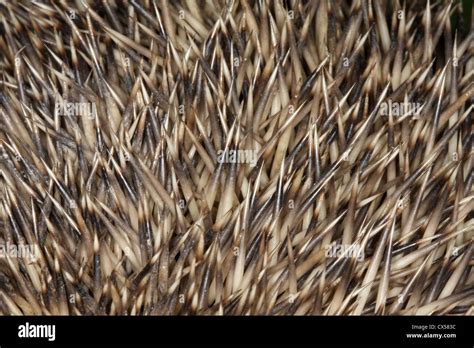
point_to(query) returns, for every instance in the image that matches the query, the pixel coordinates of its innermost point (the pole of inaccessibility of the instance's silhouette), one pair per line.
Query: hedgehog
(211, 157)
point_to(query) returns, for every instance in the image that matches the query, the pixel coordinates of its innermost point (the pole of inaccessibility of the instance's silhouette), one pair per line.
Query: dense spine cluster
(236, 157)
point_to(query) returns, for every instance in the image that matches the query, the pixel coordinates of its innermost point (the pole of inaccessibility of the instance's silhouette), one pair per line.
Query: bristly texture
(236, 157)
